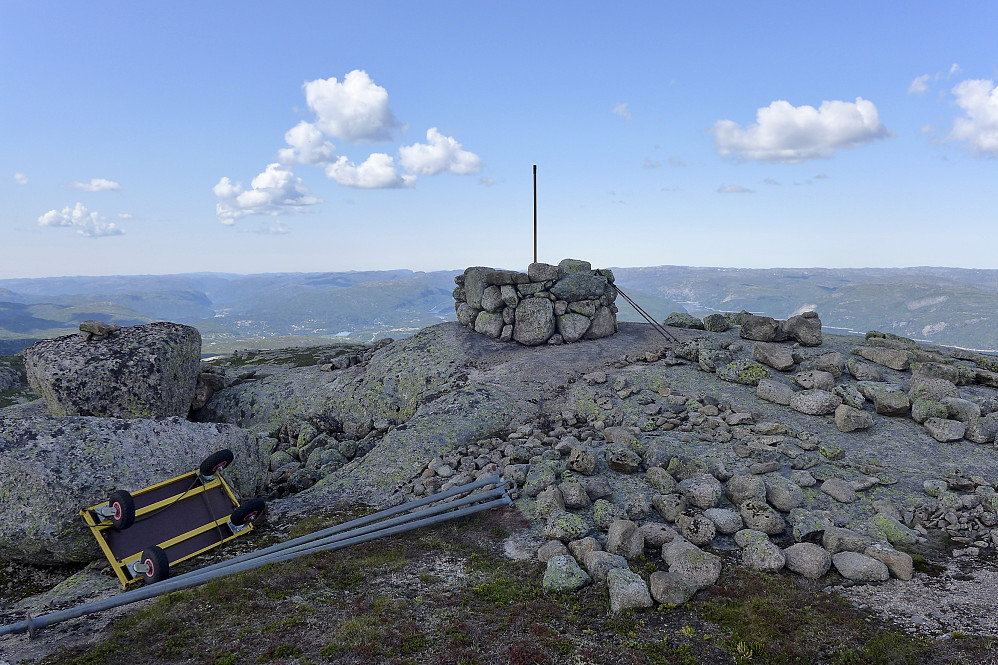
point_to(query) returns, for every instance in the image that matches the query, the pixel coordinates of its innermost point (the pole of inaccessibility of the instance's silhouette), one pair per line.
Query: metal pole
(354, 524)
(535, 213)
(36, 623)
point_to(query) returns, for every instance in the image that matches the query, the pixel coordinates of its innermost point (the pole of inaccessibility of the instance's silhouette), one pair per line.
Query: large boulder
(760, 328)
(147, 371)
(53, 467)
(805, 328)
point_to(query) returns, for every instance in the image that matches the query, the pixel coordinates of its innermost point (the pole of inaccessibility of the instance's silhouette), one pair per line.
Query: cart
(143, 533)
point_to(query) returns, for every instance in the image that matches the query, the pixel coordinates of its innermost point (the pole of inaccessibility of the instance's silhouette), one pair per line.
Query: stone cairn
(547, 304)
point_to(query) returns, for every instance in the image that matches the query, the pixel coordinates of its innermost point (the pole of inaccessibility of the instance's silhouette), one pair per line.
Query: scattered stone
(944, 430)
(582, 460)
(702, 491)
(804, 523)
(808, 559)
(892, 358)
(763, 555)
(657, 534)
(783, 494)
(815, 402)
(598, 564)
(761, 516)
(622, 459)
(745, 372)
(743, 487)
(849, 419)
(660, 479)
(837, 539)
(700, 569)
(726, 521)
(625, 539)
(774, 391)
(551, 548)
(760, 328)
(899, 564)
(697, 529)
(566, 527)
(583, 546)
(716, 323)
(669, 506)
(815, 378)
(774, 355)
(805, 328)
(627, 591)
(671, 589)
(684, 320)
(563, 573)
(860, 567)
(839, 490)
(574, 495)
(888, 399)
(862, 371)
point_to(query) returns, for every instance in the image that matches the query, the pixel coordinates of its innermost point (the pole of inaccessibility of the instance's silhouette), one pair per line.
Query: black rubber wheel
(248, 511)
(158, 565)
(123, 505)
(216, 462)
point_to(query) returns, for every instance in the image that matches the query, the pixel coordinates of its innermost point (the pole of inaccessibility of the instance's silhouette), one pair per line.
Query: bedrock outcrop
(147, 371)
(53, 467)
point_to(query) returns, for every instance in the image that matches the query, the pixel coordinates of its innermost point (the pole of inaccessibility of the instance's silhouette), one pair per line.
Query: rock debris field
(868, 463)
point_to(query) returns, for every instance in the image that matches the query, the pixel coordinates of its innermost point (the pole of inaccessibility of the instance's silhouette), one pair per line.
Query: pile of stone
(308, 449)
(930, 395)
(608, 495)
(964, 508)
(547, 304)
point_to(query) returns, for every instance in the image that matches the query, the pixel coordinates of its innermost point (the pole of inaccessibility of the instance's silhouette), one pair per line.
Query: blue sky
(717, 134)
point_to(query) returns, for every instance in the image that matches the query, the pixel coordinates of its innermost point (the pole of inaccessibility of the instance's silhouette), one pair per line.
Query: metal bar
(647, 317)
(353, 524)
(535, 213)
(32, 624)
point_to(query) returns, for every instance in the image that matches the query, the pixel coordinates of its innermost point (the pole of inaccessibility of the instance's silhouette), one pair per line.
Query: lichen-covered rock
(815, 378)
(774, 355)
(670, 589)
(625, 539)
(716, 323)
(627, 591)
(702, 491)
(53, 466)
(774, 391)
(563, 573)
(579, 286)
(475, 284)
(763, 555)
(147, 371)
(888, 399)
(945, 430)
(572, 326)
(860, 567)
(698, 529)
(849, 419)
(700, 569)
(604, 324)
(535, 321)
(862, 371)
(582, 460)
(566, 527)
(489, 323)
(805, 328)
(669, 506)
(815, 402)
(683, 320)
(899, 564)
(761, 516)
(760, 328)
(726, 521)
(921, 387)
(892, 358)
(598, 564)
(742, 486)
(745, 372)
(839, 490)
(783, 494)
(808, 559)
(923, 409)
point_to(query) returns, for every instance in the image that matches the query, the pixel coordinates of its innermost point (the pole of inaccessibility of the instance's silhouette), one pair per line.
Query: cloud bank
(276, 191)
(87, 223)
(96, 185)
(788, 134)
(978, 128)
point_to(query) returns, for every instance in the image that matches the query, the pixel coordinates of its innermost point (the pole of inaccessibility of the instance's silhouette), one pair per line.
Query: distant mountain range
(944, 305)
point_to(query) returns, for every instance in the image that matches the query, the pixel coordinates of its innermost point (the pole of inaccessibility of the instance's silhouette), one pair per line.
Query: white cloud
(734, 189)
(96, 185)
(125, 215)
(354, 110)
(487, 182)
(770, 181)
(442, 153)
(308, 146)
(979, 128)
(87, 223)
(622, 110)
(377, 172)
(649, 164)
(276, 191)
(20, 179)
(788, 134)
(918, 86)
(954, 69)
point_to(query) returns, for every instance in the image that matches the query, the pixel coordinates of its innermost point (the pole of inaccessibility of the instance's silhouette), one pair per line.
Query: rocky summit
(744, 443)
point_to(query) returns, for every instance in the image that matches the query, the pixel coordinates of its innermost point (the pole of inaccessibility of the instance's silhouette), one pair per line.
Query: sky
(157, 138)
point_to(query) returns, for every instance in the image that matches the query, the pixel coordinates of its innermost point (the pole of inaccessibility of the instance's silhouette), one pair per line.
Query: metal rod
(535, 213)
(647, 317)
(166, 586)
(334, 534)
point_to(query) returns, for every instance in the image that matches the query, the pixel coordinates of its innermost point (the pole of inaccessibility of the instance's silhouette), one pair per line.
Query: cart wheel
(216, 462)
(248, 511)
(123, 505)
(158, 565)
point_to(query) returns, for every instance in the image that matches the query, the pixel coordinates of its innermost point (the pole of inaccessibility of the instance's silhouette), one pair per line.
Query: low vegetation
(447, 596)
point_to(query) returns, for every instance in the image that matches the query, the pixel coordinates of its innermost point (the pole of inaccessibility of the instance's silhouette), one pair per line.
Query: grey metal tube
(494, 479)
(36, 623)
